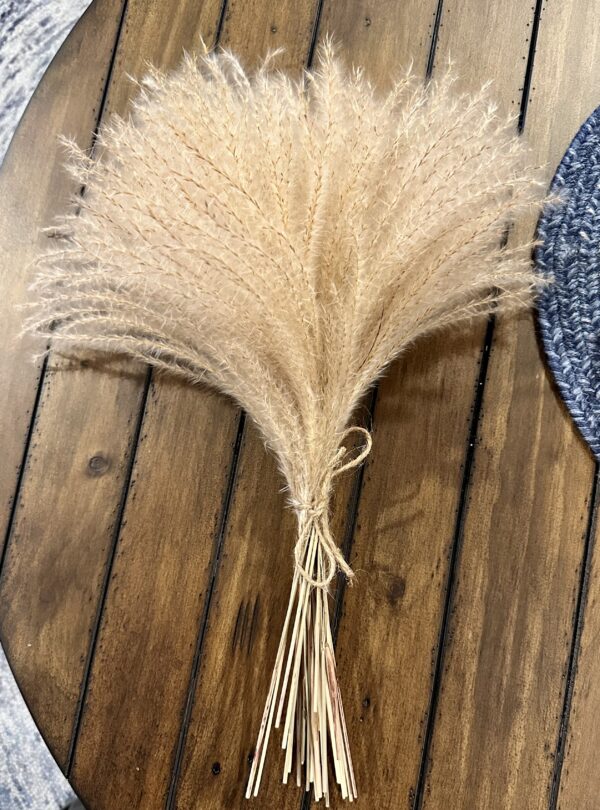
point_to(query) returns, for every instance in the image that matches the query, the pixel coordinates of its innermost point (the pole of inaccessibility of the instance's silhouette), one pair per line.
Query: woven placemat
(569, 308)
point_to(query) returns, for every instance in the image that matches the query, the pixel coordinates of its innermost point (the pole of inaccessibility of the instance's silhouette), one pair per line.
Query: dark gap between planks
(220, 539)
(353, 506)
(22, 467)
(469, 453)
(34, 416)
(44, 366)
(578, 619)
(107, 574)
(127, 481)
(214, 571)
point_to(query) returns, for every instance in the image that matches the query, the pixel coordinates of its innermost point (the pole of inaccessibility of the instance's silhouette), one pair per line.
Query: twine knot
(315, 539)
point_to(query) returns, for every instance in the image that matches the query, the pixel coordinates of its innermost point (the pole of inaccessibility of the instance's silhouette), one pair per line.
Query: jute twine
(313, 517)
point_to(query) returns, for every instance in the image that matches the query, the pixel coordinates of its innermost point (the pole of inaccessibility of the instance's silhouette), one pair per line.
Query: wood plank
(35, 188)
(252, 588)
(575, 781)
(161, 572)
(159, 583)
(511, 619)
(138, 753)
(255, 568)
(384, 42)
(85, 417)
(400, 548)
(569, 50)
(389, 634)
(157, 32)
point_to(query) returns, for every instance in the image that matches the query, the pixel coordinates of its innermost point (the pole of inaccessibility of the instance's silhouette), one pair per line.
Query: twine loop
(314, 519)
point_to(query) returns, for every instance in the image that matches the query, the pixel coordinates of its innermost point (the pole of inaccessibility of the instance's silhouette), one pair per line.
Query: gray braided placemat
(569, 308)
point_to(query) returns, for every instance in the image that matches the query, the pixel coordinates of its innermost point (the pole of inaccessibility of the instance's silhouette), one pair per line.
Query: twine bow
(314, 521)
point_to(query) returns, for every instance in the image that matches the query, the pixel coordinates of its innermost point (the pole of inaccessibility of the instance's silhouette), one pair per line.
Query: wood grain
(155, 33)
(67, 102)
(159, 583)
(511, 619)
(252, 586)
(405, 533)
(149, 561)
(35, 188)
(153, 516)
(90, 414)
(256, 559)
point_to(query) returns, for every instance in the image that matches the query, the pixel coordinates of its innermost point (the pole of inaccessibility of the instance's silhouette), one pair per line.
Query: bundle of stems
(284, 241)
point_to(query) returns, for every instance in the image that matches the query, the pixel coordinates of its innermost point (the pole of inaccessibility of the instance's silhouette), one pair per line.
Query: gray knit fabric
(31, 32)
(569, 255)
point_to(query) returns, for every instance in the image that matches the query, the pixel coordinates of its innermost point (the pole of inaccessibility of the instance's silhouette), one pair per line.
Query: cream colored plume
(283, 242)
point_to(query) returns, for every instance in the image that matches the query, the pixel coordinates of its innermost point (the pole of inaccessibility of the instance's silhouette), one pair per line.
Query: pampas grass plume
(284, 242)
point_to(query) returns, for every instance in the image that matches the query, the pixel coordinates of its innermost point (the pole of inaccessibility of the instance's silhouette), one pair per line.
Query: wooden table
(147, 556)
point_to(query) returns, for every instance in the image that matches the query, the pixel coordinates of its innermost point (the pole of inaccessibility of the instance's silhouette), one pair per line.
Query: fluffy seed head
(284, 241)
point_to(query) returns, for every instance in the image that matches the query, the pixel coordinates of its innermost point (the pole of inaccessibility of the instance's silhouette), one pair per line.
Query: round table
(148, 547)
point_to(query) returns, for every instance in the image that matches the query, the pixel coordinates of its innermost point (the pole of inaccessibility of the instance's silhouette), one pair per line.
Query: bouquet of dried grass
(284, 242)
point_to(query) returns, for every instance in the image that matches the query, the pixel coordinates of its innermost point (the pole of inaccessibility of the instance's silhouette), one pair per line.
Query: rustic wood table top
(147, 558)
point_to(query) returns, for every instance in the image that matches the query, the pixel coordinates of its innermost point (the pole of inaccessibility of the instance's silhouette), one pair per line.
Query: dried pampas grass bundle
(284, 242)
